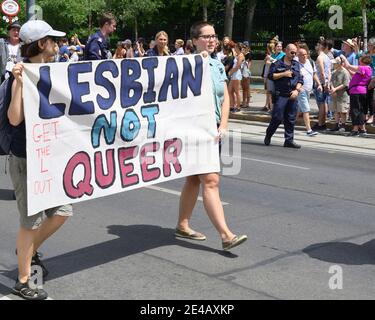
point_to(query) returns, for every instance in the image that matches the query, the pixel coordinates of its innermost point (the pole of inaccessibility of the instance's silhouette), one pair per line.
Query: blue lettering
(128, 82)
(47, 110)
(150, 64)
(108, 65)
(195, 84)
(130, 126)
(79, 89)
(149, 113)
(109, 129)
(170, 79)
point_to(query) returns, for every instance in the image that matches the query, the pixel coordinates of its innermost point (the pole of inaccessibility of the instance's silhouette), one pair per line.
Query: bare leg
(47, 229)
(213, 205)
(25, 249)
(188, 198)
(306, 120)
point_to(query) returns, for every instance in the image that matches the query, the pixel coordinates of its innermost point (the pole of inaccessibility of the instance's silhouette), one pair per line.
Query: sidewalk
(255, 113)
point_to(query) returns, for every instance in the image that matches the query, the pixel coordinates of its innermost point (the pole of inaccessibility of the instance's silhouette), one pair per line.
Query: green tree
(135, 12)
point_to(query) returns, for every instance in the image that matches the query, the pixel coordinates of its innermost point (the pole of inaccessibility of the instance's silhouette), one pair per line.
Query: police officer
(288, 83)
(97, 47)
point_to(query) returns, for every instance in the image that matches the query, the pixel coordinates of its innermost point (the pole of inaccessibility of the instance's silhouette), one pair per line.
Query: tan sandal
(236, 241)
(192, 235)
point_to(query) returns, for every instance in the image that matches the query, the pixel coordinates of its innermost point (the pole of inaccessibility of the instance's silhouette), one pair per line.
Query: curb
(267, 118)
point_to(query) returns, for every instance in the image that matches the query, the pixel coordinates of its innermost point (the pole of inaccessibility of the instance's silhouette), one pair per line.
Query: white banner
(101, 127)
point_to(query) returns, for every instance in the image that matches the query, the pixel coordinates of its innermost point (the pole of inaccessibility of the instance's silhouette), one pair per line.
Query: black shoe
(335, 128)
(353, 134)
(267, 140)
(291, 144)
(35, 261)
(23, 290)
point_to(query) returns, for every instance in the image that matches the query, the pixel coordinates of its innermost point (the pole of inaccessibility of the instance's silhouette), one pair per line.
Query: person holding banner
(39, 46)
(205, 39)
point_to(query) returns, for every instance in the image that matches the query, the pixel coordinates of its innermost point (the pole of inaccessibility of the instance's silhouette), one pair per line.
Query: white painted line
(270, 162)
(5, 298)
(177, 193)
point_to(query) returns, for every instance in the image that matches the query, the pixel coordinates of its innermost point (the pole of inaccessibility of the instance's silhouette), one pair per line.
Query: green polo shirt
(218, 77)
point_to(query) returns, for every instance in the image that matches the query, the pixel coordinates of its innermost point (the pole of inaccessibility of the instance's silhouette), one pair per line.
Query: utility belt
(282, 94)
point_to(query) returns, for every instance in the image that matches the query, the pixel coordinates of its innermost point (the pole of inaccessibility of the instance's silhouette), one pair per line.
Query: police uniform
(284, 109)
(97, 47)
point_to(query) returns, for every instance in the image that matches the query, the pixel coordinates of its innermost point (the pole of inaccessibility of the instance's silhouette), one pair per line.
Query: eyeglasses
(293, 52)
(54, 39)
(208, 36)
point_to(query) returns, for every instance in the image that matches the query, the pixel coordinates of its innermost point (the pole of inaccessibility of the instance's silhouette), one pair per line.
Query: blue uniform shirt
(97, 47)
(286, 85)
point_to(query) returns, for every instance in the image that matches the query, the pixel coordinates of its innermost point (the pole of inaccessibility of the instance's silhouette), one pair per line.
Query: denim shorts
(18, 174)
(321, 96)
(303, 101)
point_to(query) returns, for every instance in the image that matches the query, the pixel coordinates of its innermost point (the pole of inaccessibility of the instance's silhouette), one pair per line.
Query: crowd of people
(342, 81)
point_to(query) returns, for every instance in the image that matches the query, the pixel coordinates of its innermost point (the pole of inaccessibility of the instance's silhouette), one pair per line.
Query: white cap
(34, 30)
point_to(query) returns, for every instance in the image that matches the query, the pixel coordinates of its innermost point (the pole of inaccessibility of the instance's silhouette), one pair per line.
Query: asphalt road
(306, 212)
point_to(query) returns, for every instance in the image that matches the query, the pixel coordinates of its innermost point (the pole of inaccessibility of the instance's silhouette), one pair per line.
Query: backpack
(5, 127)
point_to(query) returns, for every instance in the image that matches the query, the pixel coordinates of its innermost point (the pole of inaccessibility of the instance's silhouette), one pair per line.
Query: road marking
(5, 298)
(269, 162)
(177, 193)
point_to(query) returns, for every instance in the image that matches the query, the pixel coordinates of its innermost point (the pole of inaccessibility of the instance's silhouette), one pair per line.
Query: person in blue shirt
(64, 53)
(348, 51)
(97, 47)
(288, 81)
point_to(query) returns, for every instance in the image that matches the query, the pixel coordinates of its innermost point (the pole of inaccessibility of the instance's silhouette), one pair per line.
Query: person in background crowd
(139, 50)
(279, 53)
(288, 80)
(308, 71)
(151, 47)
(229, 57)
(235, 76)
(128, 47)
(120, 52)
(64, 53)
(74, 41)
(161, 45)
(338, 90)
(268, 83)
(204, 38)
(370, 107)
(73, 54)
(97, 47)
(179, 46)
(39, 46)
(220, 55)
(246, 74)
(358, 87)
(323, 70)
(10, 52)
(348, 50)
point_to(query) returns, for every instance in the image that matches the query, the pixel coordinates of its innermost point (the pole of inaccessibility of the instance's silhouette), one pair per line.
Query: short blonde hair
(180, 42)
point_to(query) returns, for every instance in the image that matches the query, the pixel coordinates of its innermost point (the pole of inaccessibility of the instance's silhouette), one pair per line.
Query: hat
(246, 43)
(74, 48)
(127, 41)
(34, 30)
(349, 42)
(15, 24)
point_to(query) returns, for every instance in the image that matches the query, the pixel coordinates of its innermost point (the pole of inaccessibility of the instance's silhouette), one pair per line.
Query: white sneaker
(311, 133)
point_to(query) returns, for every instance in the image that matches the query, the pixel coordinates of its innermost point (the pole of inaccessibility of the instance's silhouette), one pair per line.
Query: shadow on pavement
(131, 240)
(6, 195)
(343, 252)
